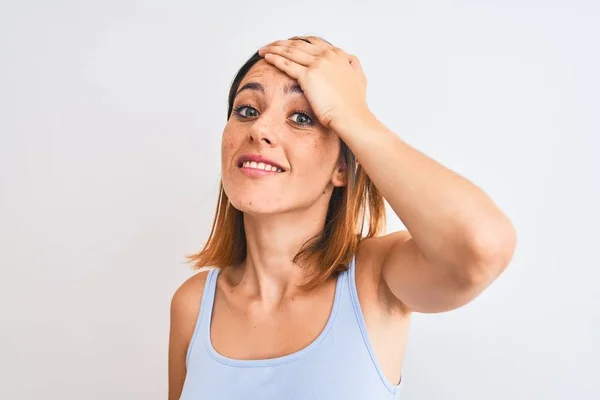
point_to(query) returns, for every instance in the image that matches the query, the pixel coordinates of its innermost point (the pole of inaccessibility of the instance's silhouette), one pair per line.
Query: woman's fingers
(291, 52)
(291, 68)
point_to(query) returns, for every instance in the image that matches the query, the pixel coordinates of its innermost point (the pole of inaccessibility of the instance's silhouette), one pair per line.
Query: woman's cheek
(227, 143)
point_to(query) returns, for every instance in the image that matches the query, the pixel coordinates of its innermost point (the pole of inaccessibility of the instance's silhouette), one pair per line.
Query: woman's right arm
(185, 306)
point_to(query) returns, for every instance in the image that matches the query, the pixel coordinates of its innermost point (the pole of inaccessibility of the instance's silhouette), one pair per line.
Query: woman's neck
(272, 243)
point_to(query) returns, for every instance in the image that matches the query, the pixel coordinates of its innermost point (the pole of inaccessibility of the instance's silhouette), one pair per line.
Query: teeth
(263, 166)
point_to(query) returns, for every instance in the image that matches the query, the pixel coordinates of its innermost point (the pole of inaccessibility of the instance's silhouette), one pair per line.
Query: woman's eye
(251, 111)
(302, 119)
(246, 111)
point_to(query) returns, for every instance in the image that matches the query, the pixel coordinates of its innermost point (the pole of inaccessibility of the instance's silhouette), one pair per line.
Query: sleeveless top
(339, 364)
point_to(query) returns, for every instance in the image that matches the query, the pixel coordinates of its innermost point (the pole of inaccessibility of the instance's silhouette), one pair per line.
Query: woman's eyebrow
(255, 86)
(291, 87)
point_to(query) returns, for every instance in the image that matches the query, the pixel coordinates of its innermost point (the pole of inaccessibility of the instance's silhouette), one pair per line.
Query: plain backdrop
(111, 115)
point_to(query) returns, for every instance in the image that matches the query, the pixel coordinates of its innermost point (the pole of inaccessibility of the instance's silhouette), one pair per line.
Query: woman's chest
(249, 329)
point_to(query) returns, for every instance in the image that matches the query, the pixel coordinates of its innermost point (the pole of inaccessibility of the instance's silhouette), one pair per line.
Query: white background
(111, 114)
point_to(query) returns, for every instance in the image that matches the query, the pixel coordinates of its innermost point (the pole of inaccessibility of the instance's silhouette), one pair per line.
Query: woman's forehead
(268, 75)
(267, 81)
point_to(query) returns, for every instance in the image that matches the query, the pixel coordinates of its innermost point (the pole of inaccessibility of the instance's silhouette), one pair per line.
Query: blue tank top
(339, 364)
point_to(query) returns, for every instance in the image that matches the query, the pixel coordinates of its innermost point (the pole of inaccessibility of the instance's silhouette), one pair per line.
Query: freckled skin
(310, 153)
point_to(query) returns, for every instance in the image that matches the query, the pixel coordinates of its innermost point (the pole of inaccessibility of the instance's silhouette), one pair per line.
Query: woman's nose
(262, 131)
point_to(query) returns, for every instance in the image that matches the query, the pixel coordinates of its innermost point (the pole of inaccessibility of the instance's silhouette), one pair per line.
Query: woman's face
(271, 118)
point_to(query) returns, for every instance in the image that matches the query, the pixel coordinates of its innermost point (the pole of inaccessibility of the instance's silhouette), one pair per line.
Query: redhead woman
(300, 295)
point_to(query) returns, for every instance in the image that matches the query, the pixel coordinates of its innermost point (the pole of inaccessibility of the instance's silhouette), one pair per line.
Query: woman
(304, 305)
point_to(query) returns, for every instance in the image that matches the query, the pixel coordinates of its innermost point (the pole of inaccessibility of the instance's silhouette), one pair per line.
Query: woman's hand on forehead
(332, 80)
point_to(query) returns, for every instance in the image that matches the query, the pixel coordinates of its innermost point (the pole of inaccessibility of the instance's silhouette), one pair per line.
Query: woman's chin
(257, 206)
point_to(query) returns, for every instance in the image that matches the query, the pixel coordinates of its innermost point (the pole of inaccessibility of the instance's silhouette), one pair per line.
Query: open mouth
(258, 163)
(260, 166)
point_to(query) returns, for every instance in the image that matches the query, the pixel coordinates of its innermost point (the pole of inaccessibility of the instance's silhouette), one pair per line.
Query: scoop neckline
(275, 360)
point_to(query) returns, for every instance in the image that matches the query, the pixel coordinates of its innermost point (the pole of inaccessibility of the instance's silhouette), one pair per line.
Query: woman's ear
(340, 174)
